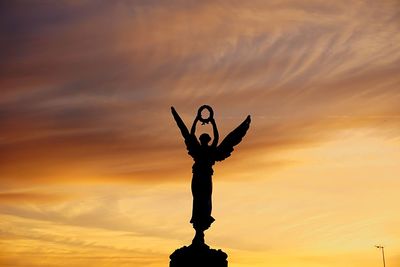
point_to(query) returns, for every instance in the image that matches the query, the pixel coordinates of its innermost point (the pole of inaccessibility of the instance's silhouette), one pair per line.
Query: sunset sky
(94, 171)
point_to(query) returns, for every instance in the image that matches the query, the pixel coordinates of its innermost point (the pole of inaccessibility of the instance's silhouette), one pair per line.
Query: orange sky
(93, 170)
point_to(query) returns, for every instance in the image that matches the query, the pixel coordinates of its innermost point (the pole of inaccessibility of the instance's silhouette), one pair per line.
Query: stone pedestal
(198, 256)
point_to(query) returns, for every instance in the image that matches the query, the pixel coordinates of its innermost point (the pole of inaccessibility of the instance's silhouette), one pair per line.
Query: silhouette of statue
(205, 156)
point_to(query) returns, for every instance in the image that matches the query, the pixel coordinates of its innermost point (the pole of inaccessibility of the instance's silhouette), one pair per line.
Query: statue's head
(204, 139)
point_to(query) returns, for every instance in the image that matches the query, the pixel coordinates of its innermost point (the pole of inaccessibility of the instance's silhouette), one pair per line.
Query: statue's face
(204, 139)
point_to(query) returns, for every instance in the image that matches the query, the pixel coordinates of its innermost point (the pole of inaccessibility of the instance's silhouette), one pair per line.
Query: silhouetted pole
(383, 253)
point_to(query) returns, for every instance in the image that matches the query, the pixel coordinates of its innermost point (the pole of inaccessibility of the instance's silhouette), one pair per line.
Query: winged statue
(205, 155)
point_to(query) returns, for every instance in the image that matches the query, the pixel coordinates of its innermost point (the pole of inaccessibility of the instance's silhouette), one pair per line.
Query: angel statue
(205, 156)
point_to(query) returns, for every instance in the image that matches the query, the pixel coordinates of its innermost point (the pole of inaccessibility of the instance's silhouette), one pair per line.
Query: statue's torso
(204, 160)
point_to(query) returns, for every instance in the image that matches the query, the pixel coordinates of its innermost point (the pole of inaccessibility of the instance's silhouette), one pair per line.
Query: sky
(94, 171)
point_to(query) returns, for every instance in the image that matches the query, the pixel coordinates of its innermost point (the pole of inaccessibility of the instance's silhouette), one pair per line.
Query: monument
(204, 156)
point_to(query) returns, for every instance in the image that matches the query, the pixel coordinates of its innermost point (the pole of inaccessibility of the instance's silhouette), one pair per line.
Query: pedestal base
(198, 256)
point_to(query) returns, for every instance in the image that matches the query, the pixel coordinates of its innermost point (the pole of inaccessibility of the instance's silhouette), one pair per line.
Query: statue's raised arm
(225, 149)
(215, 133)
(190, 139)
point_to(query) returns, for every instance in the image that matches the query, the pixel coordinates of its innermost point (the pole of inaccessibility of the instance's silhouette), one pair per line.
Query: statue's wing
(190, 140)
(192, 145)
(225, 149)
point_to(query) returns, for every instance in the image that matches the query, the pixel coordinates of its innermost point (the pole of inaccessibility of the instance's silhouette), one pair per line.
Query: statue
(205, 156)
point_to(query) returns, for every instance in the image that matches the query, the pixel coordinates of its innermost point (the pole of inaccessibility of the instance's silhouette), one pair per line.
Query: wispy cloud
(75, 95)
(86, 89)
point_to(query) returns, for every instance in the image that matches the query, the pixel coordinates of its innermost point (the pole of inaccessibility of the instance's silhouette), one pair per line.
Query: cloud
(30, 197)
(91, 159)
(83, 104)
(78, 246)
